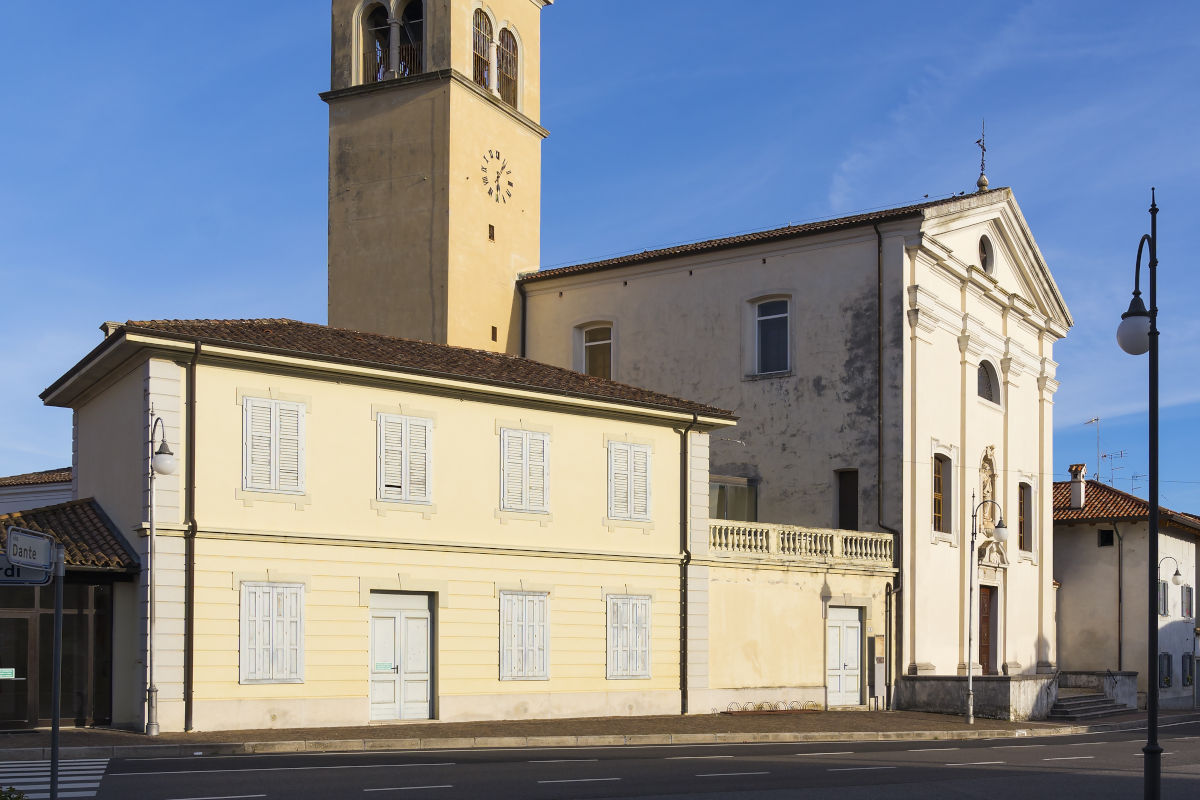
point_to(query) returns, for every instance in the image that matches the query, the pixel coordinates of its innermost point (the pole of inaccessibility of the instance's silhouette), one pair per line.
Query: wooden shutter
(641, 636)
(391, 457)
(512, 470)
(618, 480)
(257, 444)
(508, 656)
(290, 447)
(639, 482)
(420, 432)
(537, 472)
(256, 632)
(537, 631)
(272, 640)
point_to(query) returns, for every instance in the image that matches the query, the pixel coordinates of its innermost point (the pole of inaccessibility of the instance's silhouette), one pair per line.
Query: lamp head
(1000, 532)
(1177, 578)
(1133, 334)
(164, 461)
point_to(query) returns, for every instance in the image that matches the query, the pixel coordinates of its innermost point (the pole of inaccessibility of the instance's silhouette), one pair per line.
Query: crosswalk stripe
(76, 778)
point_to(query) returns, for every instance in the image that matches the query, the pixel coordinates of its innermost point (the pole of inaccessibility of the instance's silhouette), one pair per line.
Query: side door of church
(843, 657)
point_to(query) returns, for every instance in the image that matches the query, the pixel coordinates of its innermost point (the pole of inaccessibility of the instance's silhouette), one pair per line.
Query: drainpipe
(887, 651)
(189, 552)
(684, 563)
(897, 539)
(1120, 597)
(524, 306)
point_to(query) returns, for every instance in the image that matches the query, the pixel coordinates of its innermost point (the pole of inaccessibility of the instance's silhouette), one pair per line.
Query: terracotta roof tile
(86, 532)
(60, 475)
(410, 355)
(757, 237)
(1103, 503)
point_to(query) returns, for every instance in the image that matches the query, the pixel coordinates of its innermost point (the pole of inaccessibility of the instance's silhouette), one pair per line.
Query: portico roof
(89, 537)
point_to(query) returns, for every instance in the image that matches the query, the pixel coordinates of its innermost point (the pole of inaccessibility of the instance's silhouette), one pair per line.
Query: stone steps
(1076, 707)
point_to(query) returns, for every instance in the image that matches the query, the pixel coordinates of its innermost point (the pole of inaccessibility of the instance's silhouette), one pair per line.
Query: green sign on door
(8, 673)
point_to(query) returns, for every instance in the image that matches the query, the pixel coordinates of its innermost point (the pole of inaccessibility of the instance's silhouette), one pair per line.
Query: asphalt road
(1098, 765)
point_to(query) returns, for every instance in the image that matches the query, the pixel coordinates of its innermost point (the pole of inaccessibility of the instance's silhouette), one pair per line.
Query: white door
(843, 649)
(401, 681)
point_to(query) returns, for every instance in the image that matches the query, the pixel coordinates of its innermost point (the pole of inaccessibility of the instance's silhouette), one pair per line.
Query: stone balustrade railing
(788, 542)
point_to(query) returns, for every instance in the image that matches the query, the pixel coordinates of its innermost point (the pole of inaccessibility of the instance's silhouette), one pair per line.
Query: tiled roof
(409, 355)
(1103, 503)
(86, 532)
(758, 237)
(60, 475)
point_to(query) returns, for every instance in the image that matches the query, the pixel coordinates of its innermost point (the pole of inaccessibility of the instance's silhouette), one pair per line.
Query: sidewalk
(586, 732)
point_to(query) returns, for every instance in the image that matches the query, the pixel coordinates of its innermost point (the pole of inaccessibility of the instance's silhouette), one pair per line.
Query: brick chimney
(1078, 484)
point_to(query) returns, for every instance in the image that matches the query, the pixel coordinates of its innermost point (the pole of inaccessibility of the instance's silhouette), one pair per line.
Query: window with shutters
(628, 481)
(1163, 607)
(524, 471)
(1187, 673)
(1187, 601)
(628, 636)
(272, 446)
(404, 468)
(1164, 670)
(524, 636)
(272, 638)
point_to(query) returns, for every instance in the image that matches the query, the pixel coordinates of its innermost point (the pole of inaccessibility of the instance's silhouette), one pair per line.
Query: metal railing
(806, 544)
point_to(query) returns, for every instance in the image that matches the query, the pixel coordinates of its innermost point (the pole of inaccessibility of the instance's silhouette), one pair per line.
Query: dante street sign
(28, 548)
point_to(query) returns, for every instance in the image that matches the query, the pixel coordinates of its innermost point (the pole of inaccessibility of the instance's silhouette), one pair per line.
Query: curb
(496, 742)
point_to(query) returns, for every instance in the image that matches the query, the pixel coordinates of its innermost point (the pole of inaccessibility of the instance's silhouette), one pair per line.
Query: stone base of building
(1008, 697)
(714, 701)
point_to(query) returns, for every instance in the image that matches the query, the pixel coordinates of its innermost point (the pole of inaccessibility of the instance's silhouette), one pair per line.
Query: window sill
(543, 518)
(256, 681)
(385, 507)
(766, 376)
(627, 677)
(251, 496)
(524, 677)
(643, 525)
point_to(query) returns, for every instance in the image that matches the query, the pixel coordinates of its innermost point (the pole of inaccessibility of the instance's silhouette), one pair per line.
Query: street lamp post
(1000, 534)
(1177, 578)
(163, 462)
(1137, 333)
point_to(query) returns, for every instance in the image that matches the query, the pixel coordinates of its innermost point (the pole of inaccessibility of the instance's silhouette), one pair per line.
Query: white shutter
(641, 636)
(291, 610)
(391, 457)
(618, 480)
(419, 434)
(512, 470)
(507, 624)
(538, 472)
(289, 447)
(537, 629)
(524, 635)
(272, 633)
(639, 482)
(628, 636)
(257, 440)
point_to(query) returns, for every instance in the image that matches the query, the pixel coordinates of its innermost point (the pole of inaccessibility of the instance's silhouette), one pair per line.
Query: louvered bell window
(628, 481)
(272, 446)
(404, 469)
(272, 633)
(524, 636)
(524, 471)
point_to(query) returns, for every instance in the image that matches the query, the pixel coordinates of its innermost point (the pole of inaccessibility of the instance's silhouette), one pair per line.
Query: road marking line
(580, 780)
(693, 758)
(727, 774)
(390, 789)
(221, 797)
(283, 769)
(1082, 744)
(931, 749)
(1143, 755)
(973, 763)
(834, 753)
(561, 760)
(1014, 746)
(854, 769)
(1067, 758)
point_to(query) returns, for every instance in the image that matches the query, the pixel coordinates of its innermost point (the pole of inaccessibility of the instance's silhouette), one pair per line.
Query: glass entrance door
(15, 672)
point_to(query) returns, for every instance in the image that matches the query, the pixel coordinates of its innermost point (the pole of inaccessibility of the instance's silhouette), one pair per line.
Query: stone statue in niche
(987, 488)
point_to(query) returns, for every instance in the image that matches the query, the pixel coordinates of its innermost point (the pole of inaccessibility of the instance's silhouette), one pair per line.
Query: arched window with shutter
(482, 38)
(507, 54)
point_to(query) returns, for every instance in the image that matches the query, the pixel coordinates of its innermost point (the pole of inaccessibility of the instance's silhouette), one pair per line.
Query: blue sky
(170, 161)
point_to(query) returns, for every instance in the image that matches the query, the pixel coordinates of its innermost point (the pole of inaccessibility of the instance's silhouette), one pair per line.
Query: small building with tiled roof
(33, 489)
(1101, 537)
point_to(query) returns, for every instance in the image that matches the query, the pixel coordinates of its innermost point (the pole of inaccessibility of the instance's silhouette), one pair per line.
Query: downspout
(897, 540)
(684, 563)
(887, 651)
(1120, 597)
(524, 306)
(189, 551)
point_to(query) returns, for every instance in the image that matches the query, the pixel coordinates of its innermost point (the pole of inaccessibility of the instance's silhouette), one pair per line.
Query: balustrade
(805, 544)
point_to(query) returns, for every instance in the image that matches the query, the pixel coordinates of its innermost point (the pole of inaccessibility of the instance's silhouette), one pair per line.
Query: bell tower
(434, 167)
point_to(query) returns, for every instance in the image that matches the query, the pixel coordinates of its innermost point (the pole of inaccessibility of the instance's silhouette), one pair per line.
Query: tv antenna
(1112, 468)
(1096, 421)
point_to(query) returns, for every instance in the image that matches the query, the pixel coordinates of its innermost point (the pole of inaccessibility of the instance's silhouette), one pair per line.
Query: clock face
(497, 176)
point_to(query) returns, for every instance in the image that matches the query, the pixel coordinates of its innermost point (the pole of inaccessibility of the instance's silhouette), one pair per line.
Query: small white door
(843, 653)
(401, 685)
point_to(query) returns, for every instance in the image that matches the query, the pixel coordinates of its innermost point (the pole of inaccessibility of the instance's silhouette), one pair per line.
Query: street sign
(12, 574)
(28, 548)
(8, 673)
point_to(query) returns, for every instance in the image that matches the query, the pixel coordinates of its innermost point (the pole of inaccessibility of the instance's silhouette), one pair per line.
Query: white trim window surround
(524, 471)
(272, 633)
(272, 445)
(771, 336)
(524, 636)
(404, 472)
(628, 637)
(628, 481)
